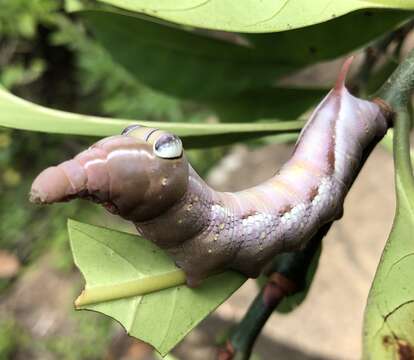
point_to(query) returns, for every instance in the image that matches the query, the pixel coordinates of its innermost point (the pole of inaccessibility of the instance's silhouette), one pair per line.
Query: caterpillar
(143, 175)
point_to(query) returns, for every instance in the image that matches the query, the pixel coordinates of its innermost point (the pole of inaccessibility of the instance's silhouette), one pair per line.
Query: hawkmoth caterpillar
(143, 176)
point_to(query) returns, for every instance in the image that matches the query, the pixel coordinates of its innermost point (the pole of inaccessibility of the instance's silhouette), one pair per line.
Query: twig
(397, 89)
(286, 277)
(374, 52)
(402, 159)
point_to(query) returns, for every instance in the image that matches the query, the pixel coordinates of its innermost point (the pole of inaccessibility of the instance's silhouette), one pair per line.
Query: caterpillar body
(143, 176)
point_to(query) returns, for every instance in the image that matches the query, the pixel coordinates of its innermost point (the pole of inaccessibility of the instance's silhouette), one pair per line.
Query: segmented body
(207, 231)
(211, 230)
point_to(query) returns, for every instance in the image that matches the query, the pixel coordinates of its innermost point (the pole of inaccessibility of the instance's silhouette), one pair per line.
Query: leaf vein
(397, 262)
(168, 327)
(108, 247)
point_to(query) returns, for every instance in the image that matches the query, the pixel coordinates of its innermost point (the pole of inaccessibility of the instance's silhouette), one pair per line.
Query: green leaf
(180, 62)
(268, 103)
(166, 357)
(251, 16)
(187, 64)
(17, 113)
(109, 259)
(389, 316)
(327, 40)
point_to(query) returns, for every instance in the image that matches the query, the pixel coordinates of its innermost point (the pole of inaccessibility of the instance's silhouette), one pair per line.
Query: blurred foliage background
(46, 56)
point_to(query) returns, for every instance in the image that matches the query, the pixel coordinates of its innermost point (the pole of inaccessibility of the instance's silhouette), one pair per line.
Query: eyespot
(168, 146)
(129, 128)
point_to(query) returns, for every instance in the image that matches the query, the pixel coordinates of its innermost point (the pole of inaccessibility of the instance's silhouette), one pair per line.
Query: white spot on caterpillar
(115, 153)
(127, 152)
(217, 212)
(94, 162)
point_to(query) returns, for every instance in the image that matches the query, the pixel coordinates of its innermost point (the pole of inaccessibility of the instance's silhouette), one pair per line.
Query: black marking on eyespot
(167, 140)
(129, 128)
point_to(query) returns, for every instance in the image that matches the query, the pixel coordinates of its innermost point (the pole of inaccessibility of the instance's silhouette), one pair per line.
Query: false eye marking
(168, 146)
(130, 128)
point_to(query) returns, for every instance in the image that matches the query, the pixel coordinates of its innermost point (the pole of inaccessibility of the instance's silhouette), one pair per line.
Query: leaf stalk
(98, 294)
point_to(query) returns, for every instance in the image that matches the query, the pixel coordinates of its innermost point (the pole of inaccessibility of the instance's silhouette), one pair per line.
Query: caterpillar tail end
(340, 81)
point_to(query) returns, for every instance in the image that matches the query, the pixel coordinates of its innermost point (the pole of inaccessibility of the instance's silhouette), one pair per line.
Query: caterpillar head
(138, 174)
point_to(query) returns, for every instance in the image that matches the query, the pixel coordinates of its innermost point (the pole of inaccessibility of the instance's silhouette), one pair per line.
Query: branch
(396, 93)
(374, 52)
(402, 158)
(286, 276)
(396, 90)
